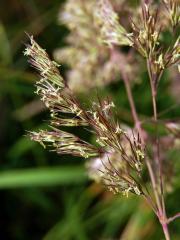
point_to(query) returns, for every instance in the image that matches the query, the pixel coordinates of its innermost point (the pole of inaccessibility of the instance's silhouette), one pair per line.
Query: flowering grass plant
(121, 155)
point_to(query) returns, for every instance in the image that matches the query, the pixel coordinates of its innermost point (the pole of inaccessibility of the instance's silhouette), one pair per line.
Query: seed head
(112, 32)
(146, 37)
(111, 170)
(59, 99)
(112, 139)
(64, 143)
(48, 70)
(173, 8)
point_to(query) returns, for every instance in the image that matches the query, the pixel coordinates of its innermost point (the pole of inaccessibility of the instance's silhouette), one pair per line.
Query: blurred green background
(45, 196)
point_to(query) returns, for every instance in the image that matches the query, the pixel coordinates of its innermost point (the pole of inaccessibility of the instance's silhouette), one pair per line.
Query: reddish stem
(171, 219)
(132, 105)
(159, 196)
(166, 231)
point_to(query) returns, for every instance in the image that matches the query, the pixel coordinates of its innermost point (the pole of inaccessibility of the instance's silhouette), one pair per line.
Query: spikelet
(112, 32)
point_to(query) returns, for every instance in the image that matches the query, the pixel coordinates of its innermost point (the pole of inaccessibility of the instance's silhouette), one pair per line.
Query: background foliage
(45, 196)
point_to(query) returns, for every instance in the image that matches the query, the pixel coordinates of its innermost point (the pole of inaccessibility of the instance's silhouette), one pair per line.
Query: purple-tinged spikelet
(112, 32)
(173, 8)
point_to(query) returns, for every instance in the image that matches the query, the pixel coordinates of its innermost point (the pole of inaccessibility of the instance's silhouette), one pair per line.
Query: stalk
(171, 219)
(159, 196)
(132, 106)
(166, 231)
